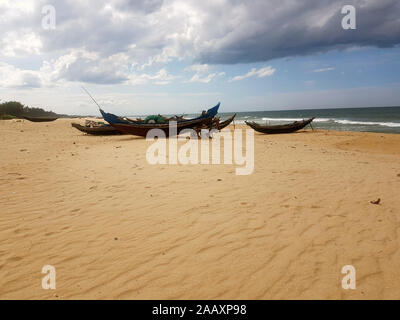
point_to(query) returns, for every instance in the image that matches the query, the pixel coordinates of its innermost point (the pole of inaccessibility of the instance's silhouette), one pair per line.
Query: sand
(116, 227)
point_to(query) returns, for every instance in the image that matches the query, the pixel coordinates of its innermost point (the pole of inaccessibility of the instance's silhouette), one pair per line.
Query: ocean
(382, 119)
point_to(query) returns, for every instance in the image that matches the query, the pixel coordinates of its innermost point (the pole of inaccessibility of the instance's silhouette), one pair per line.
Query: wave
(370, 123)
(297, 119)
(332, 120)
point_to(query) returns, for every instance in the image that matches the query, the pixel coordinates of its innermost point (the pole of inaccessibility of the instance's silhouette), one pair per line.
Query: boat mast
(91, 97)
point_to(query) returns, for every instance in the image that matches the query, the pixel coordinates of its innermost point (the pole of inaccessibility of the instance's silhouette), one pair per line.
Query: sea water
(381, 119)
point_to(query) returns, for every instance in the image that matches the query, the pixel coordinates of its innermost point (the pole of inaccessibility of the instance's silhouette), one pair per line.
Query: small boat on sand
(40, 119)
(281, 128)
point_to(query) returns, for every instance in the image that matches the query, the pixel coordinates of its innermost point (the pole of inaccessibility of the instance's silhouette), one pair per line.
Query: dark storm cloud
(145, 6)
(278, 29)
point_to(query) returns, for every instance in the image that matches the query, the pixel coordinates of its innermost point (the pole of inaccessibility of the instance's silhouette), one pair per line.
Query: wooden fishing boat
(226, 123)
(105, 130)
(113, 119)
(282, 128)
(142, 129)
(40, 119)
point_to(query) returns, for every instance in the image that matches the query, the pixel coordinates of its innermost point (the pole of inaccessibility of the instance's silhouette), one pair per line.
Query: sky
(183, 56)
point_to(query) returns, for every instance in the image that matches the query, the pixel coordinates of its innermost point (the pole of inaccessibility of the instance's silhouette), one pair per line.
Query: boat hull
(40, 119)
(97, 131)
(142, 129)
(285, 128)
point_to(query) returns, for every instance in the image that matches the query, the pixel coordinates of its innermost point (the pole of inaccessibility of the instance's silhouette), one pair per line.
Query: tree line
(14, 109)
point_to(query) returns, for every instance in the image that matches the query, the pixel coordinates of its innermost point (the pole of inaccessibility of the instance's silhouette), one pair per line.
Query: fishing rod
(91, 97)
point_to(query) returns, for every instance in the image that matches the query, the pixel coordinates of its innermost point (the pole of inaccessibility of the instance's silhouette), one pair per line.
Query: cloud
(84, 66)
(198, 68)
(20, 43)
(11, 77)
(260, 73)
(145, 6)
(206, 79)
(324, 69)
(121, 34)
(265, 30)
(80, 66)
(161, 78)
(201, 75)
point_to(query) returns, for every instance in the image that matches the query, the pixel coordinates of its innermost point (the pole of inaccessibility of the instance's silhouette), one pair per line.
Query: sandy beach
(116, 227)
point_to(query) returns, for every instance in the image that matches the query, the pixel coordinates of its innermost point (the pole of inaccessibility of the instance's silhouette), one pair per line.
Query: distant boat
(105, 130)
(40, 119)
(281, 128)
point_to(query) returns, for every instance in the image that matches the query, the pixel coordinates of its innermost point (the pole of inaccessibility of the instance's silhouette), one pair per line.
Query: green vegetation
(6, 117)
(14, 109)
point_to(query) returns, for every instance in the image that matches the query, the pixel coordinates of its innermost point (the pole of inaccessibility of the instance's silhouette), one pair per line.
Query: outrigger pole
(91, 97)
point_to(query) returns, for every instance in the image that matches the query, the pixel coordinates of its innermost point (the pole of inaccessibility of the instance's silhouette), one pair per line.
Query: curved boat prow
(226, 123)
(112, 118)
(212, 112)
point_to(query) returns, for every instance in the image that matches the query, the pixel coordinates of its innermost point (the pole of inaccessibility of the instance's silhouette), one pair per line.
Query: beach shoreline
(116, 227)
